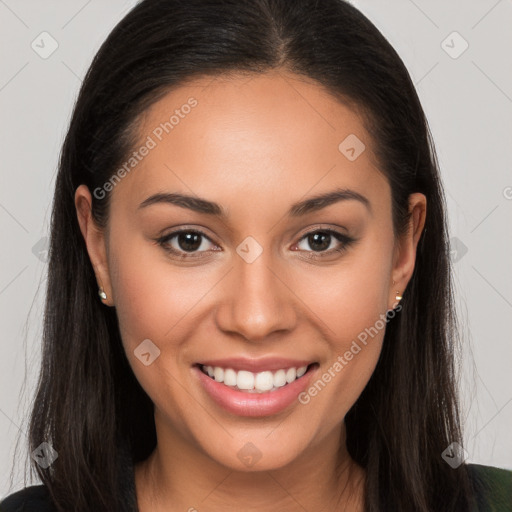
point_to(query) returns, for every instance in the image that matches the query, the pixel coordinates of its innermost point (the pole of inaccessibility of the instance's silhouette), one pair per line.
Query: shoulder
(30, 499)
(493, 487)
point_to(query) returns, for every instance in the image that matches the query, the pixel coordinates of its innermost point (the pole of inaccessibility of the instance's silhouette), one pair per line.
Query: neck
(178, 476)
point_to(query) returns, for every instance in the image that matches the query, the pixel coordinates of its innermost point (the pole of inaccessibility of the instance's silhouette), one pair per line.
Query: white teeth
(218, 374)
(230, 378)
(301, 371)
(254, 382)
(264, 381)
(245, 380)
(291, 375)
(279, 378)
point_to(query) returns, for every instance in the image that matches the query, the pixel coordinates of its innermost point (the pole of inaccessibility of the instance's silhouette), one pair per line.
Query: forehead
(268, 138)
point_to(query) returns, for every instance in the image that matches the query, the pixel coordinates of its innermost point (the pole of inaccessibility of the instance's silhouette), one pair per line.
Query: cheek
(152, 299)
(156, 299)
(351, 296)
(140, 296)
(351, 303)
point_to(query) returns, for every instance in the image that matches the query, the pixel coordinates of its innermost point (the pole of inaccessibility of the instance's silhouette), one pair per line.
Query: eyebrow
(298, 209)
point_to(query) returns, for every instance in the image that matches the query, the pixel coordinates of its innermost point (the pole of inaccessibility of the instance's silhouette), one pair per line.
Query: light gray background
(468, 101)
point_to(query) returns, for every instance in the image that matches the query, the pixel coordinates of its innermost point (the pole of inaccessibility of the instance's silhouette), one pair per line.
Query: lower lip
(254, 404)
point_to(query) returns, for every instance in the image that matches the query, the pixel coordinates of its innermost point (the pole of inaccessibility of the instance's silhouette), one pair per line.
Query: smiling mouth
(260, 382)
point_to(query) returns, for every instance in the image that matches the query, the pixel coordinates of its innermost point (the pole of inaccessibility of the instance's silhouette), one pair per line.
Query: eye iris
(323, 238)
(189, 241)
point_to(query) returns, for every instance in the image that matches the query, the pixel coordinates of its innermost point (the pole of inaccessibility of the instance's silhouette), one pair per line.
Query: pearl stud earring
(398, 296)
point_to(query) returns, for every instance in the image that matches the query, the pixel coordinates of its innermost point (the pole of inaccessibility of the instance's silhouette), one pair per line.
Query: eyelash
(164, 243)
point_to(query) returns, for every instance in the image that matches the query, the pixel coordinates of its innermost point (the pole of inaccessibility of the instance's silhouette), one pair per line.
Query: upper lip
(257, 365)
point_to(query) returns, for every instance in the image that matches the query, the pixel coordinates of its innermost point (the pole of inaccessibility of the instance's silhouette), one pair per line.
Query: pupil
(323, 238)
(189, 241)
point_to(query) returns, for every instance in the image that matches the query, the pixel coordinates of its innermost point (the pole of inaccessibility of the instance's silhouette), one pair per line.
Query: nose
(257, 300)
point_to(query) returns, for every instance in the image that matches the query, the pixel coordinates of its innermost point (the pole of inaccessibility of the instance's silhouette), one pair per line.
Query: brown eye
(185, 243)
(326, 241)
(189, 241)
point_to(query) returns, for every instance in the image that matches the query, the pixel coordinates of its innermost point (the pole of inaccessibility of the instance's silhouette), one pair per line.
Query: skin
(256, 146)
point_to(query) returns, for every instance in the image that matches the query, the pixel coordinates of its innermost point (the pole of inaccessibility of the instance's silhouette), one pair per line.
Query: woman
(249, 303)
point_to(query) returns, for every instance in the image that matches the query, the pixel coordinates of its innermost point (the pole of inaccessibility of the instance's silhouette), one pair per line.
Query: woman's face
(265, 287)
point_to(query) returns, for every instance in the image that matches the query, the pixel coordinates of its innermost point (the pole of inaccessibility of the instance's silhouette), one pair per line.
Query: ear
(405, 250)
(95, 241)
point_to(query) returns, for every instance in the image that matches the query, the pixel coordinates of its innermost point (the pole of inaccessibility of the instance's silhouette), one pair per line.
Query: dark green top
(493, 488)
(493, 492)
